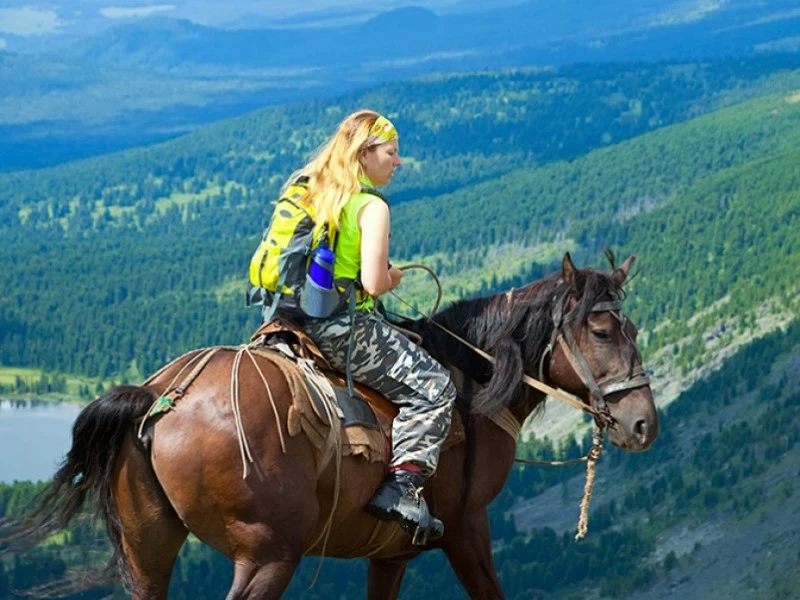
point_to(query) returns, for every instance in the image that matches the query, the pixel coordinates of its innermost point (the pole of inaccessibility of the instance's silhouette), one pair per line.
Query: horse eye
(601, 334)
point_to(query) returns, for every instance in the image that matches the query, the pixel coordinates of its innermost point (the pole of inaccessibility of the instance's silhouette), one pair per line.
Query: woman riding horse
(340, 182)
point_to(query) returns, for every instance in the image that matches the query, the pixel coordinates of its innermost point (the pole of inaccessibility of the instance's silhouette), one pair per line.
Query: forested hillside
(455, 129)
(115, 265)
(711, 207)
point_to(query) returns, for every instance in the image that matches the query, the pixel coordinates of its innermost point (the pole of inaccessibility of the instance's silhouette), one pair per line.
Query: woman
(362, 154)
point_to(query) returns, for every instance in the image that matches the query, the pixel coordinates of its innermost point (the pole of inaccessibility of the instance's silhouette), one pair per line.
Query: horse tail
(85, 476)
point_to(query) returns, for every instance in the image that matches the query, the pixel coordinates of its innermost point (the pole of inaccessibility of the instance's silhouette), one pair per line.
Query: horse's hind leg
(265, 581)
(267, 541)
(151, 532)
(384, 577)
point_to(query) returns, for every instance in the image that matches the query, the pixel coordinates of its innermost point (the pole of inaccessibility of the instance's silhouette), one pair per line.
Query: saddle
(365, 419)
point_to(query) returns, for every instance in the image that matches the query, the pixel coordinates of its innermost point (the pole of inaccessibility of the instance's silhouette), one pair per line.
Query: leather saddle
(368, 408)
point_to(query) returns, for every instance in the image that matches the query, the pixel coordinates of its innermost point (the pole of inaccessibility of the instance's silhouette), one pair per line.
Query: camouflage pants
(386, 360)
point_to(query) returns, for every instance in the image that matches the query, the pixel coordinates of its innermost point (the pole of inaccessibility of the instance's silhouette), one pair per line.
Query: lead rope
(591, 465)
(590, 459)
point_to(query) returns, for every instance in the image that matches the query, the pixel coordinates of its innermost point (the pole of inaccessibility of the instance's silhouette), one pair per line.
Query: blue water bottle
(320, 298)
(321, 268)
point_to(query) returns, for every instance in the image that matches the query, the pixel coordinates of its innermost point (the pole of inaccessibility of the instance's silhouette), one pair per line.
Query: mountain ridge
(221, 72)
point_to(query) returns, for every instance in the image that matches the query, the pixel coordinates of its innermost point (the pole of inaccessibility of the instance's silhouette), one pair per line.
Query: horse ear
(621, 274)
(568, 270)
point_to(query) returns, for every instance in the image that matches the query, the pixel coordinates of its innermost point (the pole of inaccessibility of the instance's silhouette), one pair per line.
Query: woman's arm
(376, 276)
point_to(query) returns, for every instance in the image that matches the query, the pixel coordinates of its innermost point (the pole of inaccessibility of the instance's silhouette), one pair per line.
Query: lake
(34, 437)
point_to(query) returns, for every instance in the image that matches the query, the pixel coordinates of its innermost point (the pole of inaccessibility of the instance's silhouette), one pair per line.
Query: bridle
(562, 335)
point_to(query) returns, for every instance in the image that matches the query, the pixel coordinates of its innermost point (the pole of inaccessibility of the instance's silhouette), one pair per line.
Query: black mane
(515, 328)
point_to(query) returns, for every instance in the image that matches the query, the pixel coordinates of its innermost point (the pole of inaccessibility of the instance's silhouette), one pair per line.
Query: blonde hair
(334, 168)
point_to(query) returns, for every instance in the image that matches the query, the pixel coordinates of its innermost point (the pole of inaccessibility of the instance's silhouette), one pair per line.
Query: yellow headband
(382, 131)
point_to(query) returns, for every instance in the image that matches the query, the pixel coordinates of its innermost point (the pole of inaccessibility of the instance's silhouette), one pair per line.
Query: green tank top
(348, 245)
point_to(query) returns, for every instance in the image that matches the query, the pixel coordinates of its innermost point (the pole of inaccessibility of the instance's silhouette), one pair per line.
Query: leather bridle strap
(563, 336)
(601, 415)
(581, 367)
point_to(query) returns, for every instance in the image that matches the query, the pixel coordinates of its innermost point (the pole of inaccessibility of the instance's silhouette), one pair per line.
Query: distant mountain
(328, 17)
(536, 32)
(157, 77)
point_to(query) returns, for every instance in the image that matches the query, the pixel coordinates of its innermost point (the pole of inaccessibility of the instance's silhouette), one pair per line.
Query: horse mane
(514, 327)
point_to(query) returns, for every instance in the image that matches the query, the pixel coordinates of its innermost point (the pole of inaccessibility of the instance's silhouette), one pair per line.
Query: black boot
(400, 499)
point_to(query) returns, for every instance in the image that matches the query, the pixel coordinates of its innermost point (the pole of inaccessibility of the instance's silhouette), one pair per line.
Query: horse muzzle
(636, 424)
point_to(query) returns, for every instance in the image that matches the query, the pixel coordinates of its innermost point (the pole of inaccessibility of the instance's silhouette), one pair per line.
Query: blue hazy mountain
(156, 77)
(532, 32)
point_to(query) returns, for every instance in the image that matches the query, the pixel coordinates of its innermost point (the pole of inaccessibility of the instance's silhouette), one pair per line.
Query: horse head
(593, 354)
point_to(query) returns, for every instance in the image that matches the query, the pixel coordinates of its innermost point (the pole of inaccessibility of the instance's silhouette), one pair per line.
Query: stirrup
(422, 535)
(401, 500)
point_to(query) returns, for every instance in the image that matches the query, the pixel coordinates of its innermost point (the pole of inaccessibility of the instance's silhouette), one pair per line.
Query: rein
(563, 336)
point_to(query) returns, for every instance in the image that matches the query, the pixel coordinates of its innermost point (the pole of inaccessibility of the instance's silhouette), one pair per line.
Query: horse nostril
(640, 429)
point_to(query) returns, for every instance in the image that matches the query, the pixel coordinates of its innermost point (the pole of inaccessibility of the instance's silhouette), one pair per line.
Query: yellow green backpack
(277, 274)
(279, 264)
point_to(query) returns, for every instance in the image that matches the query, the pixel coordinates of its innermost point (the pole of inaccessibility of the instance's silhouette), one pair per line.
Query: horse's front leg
(467, 546)
(384, 577)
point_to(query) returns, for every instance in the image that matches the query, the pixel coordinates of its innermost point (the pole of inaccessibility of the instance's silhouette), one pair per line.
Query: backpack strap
(269, 312)
(365, 189)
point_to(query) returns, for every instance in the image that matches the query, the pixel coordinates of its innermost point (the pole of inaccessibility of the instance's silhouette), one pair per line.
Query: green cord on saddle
(162, 405)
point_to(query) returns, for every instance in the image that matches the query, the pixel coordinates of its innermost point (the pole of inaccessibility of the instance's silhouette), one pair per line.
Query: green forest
(146, 250)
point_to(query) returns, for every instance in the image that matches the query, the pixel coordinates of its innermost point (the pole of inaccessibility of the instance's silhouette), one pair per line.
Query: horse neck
(460, 319)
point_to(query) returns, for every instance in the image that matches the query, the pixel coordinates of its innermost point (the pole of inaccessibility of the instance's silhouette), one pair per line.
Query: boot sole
(410, 527)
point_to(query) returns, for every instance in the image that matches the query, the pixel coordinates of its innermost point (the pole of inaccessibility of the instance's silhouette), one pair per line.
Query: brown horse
(568, 328)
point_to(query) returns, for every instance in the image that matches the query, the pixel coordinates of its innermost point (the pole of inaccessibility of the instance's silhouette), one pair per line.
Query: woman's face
(379, 162)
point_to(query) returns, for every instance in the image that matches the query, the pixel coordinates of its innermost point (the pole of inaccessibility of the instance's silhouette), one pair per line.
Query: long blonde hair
(334, 168)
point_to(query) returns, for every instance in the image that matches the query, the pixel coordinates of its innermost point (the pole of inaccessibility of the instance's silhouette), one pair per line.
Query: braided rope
(591, 466)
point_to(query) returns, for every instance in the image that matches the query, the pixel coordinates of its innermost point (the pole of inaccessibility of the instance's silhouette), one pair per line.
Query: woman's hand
(395, 276)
